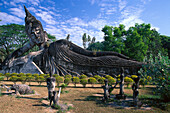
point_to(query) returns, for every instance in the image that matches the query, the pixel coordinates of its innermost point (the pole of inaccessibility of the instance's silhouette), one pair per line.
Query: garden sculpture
(50, 86)
(106, 89)
(63, 57)
(135, 88)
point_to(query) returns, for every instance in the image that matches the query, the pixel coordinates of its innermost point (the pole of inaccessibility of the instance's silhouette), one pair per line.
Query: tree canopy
(12, 37)
(136, 42)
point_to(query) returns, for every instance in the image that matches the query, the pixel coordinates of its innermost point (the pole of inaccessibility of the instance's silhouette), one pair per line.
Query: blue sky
(75, 17)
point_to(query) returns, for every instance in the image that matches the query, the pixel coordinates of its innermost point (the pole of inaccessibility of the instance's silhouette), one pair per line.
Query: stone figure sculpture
(106, 89)
(50, 86)
(21, 89)
(135, 88)
(63, 57)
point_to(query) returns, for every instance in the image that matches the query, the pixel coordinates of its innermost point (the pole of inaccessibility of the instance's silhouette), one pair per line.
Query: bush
(68, 76)
(118, 78)
(35, 75)
(14, 79)
(40, 79)
(76, 80)
(7, 75)
(22, 77)
(59, 80)
(92, 81)
(143, 82)
(83, 82)
(67, 81)
(128, 81)
(158, 69)
(108, 76)
(31, 77)
(101, 80)
(2, 78)
(82, 76)
(1, 74)
(111, 81)
(134, 76)
(97, 77)
(55, 75)
(63, 86)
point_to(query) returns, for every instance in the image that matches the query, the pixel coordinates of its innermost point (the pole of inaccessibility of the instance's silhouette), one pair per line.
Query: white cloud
(34, 2)
(76, 21)
(122, 4)
(45, 16)
(98, 23)
(17, 11)
(6, 18)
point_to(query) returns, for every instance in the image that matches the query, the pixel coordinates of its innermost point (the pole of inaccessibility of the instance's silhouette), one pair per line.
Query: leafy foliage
(84, 81)
(67, 81)
(128, 81)
(76, 80)
(158, 70)
(92, 81)
(59, 80)
(82, 76)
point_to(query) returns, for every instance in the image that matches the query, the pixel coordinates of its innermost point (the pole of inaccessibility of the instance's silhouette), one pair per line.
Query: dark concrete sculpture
(63, 57)
(50, 86)
(135, 88)
(21, 89)
(106, 89)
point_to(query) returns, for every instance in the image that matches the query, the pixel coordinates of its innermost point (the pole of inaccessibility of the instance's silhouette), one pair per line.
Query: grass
(84, 100)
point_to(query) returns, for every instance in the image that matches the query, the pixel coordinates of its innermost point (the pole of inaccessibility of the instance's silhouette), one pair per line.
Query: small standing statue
(55, 97)
(121, 93)
(135, 88)
(106, 89)
(50, 86)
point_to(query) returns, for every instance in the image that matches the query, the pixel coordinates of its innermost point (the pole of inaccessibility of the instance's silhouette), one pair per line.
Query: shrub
(46, 76)
(22, 78)
(40, 79)
(158, 69)
(59, 80)
(7, 75)
(118, 78)
(76, 80)
(111, 81)
(63, 86)
(55, 75)
(67, 81)
(35, 75)
(128, 81)
(68, 76)
(2, 78)
(14, 79)
(134, 76)
(101, 80)
(92, 81)
(82, 76)
(83, 82)
(108, 76)
(31, 77)
(1, 74)
(97, 77)
(21, 74)
(143, 82)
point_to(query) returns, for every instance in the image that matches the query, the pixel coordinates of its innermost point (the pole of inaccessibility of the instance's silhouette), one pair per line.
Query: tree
(53, 38)
(135, 47)
(84, 81)
(92, 81)
(98, 46)
(12, 36)
(14, 79)
(7, 75)
(76, 80)
(22, 78)
(101, 80)
(59, 80)
(68, 37)
(128, 81)
(158, 71)
(84, 38)
(114, 38)
(82, 76)
(67, 81)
